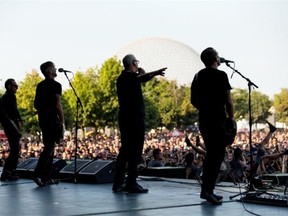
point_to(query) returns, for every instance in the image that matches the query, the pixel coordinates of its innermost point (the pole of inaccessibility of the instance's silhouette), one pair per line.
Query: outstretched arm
(144, 77)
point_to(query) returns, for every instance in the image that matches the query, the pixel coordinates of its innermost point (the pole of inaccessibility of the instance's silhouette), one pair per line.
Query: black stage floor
(165, 197)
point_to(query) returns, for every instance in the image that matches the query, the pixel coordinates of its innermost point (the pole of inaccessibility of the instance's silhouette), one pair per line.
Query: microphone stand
(251, 189)
(78, 102)
(250, 83)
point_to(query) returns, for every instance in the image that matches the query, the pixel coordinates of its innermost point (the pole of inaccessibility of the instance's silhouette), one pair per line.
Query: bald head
(128, 60)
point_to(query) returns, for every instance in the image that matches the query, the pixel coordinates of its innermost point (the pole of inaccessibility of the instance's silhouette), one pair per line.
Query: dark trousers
(12, 160)
(44, 166)
(132, 140)
(214, 137)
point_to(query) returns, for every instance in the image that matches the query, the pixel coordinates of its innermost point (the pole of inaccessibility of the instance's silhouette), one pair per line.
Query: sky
(76, 35)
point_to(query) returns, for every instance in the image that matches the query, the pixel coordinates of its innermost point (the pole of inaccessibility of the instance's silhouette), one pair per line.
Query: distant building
(154, 53)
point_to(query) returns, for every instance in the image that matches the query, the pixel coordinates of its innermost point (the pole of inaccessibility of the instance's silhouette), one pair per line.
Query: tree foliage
(25, 101)
(188, 114)
(164, 94)
(107, 102)
(281, 105)
(152, 114)
(240, 101)
(84, 84)
(261, 105)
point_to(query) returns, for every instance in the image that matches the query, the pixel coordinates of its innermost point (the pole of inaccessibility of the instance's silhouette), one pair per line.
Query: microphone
(223, 60)
(61, 70)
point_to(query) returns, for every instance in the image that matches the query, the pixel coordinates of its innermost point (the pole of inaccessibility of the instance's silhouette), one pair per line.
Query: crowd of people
(173, 149)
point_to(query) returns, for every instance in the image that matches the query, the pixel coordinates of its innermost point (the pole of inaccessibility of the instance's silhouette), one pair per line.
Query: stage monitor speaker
(277, 179)
(99, 171)
(67, 173)
(166, 172)
(26, 168)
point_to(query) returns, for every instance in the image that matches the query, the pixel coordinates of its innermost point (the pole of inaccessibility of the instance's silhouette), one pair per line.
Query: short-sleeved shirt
(46, 100)
(130, 97)
(10, 106)
(209, 89)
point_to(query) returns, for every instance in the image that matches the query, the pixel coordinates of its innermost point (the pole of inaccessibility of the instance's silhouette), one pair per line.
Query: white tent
(242, 125)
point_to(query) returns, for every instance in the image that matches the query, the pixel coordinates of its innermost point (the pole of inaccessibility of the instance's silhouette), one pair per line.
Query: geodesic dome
(155, 53)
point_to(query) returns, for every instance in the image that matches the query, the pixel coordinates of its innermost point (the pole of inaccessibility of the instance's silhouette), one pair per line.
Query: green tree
(84, 84)
(25, 101)
(152, 114)
(68, 112)
(2, 91)
(240, 101)
(281, 105)
(168, 104)
(261, 105)
(151, 101)
(107, 101)
(164, 95)
(188, 114)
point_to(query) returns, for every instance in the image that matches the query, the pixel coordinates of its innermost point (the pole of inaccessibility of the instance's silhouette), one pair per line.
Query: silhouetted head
(237, 153)
(130, 63)
(156, 153)
(48, 69)
(209, 56)
(11, 85)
